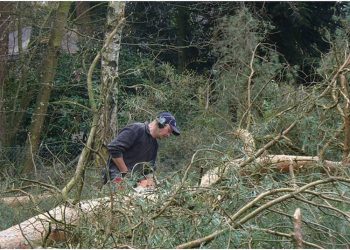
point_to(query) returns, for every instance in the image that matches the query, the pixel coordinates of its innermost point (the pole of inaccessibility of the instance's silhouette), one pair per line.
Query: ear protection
(161, 122)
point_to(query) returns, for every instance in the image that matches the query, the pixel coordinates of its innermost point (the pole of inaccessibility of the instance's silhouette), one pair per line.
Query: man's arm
(119, 145)
(119, 162)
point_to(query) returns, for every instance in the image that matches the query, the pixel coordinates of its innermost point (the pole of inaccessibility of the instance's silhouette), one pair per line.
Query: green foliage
(240, 36)
(195, 212)
(302, 29)
(208, 106)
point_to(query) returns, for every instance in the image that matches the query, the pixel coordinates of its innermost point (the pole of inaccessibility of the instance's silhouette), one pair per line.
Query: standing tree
(103, 125)
(107, 126)
(49, 65)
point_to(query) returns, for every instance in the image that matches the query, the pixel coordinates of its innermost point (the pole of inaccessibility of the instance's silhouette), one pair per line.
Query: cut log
(35, 231)
(15, 201)
(32, 232)
(265, 163)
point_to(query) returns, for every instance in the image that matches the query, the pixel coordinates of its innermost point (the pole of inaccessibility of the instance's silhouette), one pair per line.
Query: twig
(50, 187)
(312, 225)
(72, 103)
(341, 68)
(324, 206)
(249, 104)
(167, 204)
(206, 239)
(306, 243)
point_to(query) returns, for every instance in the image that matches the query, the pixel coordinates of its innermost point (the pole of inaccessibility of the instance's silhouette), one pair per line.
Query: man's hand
(119, 181)
(147, 183)
(119, 162)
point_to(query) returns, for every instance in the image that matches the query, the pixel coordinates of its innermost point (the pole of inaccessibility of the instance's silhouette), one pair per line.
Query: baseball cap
(169, 119)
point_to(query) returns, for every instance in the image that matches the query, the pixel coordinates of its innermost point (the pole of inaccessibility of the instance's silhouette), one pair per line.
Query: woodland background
(261, 95)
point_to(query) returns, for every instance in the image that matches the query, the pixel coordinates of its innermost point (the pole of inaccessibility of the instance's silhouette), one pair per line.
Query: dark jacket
(136, 145)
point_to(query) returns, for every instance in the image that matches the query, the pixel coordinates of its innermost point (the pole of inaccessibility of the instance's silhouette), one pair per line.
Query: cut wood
(15, 201)
(32, 232)
(50, 225)
(267, 162)
(298, 237)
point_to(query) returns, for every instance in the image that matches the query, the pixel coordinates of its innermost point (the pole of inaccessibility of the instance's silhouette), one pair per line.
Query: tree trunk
(5, 14)
(107, 124)
(265, 163)
(37, 230)
(49, 70)
(181, 32)
(24, 92)
(99, 130)
(22, 96)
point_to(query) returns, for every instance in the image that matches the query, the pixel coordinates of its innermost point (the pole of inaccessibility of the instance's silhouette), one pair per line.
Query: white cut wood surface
(33, 231)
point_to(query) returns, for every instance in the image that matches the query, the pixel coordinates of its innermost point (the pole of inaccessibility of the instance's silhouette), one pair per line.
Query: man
(135, 149)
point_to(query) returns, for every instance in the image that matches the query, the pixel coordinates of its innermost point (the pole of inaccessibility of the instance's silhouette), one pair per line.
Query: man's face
(165, 132)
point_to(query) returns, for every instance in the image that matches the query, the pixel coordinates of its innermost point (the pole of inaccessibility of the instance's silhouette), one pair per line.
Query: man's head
(166, 118)
(164, 125)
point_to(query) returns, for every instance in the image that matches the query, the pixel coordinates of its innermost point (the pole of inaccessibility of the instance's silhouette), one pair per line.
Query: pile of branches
(259, 201)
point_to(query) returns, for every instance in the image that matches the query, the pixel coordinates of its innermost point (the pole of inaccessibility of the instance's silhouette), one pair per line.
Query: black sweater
(135, 144)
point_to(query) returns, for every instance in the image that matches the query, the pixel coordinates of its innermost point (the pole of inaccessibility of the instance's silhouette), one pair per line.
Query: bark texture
(49, 66)
(182, 23)
(107, 123)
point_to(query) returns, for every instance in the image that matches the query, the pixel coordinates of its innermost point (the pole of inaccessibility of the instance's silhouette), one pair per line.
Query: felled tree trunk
(50, 226)
(47, 226)
(15, 201)
(265, 163)
(38, 229)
